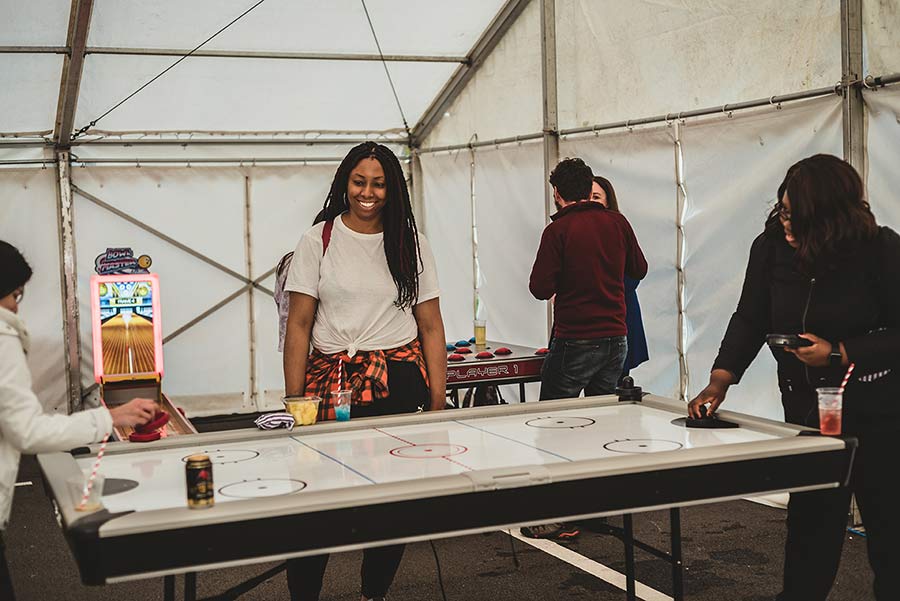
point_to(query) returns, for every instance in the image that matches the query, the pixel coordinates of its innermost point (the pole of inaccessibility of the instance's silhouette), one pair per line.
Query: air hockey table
(508, 364)
(336, 487)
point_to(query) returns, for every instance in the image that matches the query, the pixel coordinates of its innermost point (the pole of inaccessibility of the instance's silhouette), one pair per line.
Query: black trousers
(817, 523)
(6, 589)
(407, 393)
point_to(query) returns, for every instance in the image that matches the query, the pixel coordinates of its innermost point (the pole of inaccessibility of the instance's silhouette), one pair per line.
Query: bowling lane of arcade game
(127, 338)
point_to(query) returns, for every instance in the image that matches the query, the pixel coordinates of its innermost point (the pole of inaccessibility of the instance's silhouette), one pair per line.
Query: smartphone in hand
(787, 341)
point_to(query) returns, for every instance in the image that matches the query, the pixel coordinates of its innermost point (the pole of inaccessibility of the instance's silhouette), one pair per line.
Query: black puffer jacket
(854, 299)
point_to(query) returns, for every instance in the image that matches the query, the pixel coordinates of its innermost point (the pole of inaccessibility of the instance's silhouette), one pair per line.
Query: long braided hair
(401, 238)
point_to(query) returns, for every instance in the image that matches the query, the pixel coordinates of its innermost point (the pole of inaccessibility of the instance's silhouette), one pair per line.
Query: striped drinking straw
(847, 377)
(90, 483)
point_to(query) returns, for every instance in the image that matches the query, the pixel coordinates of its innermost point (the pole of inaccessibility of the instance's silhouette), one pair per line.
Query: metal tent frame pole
(69, 282)
(853, 107)
(550, 110)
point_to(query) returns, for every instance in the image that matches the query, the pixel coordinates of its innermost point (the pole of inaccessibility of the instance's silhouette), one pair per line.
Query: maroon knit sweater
(584, 255)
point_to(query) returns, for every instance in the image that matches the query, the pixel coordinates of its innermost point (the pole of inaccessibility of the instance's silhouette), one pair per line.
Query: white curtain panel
(28, 218)
(284, 202)
(883, 108)
(203, 209)
(447, 225)
(732, 169)
(509, 190)
(641, 166)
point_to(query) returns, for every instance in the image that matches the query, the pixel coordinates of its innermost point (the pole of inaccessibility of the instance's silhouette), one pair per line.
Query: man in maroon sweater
(584, 255)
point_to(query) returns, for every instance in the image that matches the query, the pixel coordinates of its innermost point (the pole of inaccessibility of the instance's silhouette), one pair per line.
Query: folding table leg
(677, 562)
(628, 539)
(190, 586)
(168, 588)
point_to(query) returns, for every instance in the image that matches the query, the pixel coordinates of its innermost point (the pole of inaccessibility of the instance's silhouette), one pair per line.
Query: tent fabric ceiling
(292, 25)
(239, 94)
(34, 23)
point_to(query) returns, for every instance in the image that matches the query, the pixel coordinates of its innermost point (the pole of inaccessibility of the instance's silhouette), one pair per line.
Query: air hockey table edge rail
(131, 545)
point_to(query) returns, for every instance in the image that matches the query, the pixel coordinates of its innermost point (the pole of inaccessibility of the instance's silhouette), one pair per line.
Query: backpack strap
(326, 235)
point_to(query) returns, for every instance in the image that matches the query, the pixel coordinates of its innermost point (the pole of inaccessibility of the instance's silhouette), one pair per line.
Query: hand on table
(816, 355)
(135, 412)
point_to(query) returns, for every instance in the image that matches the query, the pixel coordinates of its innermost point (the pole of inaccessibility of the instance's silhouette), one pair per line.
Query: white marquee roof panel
(218, 94)
(34, 22)
(29, 86)
(295, 25)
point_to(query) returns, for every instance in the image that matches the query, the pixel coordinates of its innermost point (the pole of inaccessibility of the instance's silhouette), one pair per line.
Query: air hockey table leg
(628, 539)
(521, 392)
(169, 588)
(677, 562)
(190, 586)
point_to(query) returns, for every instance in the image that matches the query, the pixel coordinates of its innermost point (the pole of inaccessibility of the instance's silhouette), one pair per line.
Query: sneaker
(558, 531)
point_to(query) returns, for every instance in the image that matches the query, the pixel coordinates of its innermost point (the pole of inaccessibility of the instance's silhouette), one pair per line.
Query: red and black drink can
(199, 478)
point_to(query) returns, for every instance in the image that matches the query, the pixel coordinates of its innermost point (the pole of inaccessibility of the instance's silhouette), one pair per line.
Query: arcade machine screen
(127, 333)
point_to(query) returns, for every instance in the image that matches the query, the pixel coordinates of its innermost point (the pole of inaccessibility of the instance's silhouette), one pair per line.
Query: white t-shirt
(355, 290)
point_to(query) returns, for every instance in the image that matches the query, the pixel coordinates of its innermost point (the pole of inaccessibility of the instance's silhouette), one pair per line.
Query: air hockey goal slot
(126, 333)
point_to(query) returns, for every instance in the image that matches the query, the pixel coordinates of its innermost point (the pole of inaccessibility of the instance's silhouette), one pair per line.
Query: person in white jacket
(24, 427)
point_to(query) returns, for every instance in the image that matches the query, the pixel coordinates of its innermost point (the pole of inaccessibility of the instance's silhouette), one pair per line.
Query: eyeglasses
(784, 214)
(19, 295)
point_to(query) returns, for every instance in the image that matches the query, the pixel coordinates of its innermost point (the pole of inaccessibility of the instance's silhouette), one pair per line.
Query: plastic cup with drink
(830, 408)
(340, 400)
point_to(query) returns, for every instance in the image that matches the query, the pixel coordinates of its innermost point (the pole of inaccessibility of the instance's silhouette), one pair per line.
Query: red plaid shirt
(365, 374)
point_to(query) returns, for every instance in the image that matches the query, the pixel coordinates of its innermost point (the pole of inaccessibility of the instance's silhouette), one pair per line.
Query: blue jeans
(590, 365)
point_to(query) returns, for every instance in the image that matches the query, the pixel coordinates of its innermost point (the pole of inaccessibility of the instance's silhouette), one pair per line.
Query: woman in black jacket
(825, 270)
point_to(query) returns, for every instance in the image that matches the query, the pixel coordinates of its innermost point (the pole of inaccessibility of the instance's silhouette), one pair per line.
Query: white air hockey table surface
(341, 486)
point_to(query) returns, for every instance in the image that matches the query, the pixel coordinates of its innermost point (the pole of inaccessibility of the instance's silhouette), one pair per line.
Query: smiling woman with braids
(363, 290)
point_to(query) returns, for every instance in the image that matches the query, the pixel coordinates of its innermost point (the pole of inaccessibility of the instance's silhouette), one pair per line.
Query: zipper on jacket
(812, 285)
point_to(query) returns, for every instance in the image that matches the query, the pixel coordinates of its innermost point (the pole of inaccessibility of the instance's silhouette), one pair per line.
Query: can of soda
(199, 478)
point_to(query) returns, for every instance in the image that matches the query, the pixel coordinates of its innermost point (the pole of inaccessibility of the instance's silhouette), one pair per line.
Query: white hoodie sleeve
(23, 422)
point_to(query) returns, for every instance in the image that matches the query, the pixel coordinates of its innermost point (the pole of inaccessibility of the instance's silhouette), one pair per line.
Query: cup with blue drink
(340, 400)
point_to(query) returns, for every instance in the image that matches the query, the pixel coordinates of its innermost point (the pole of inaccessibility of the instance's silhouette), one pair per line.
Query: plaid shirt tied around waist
(365, 373)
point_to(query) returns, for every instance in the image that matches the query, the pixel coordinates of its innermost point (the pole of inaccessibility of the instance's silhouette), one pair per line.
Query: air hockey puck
(159, 420)
(463, 343)
(451, 347)
(503, 351)
(472, 340)
(542, 351)
(484, 355)
(144, 436)
(456, 357)
(463, 350)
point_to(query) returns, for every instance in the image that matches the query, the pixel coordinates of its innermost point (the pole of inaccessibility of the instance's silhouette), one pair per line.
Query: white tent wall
(883, 108)
(654, 58)
(284, 202)
(881, 50)
(208, 367)
(509, 200)
(732, 170)
(202, 209)
(640, 164)
(503, 98)
(448, 228)
(28, 218)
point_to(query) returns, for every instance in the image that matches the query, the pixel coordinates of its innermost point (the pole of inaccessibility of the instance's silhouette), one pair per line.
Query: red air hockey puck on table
(503, 351)
(484, 355)
(542, 351)
(456, 357)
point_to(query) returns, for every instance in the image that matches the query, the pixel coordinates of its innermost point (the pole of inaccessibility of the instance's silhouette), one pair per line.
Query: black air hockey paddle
(705, 421)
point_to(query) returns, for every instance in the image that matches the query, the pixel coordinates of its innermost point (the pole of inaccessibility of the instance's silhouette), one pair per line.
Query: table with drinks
(338, 486)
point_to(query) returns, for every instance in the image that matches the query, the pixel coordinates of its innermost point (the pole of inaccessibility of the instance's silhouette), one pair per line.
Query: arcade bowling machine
(128, 358)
